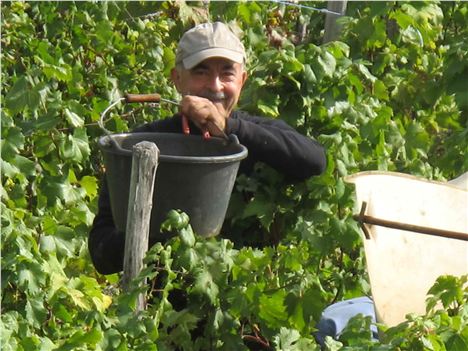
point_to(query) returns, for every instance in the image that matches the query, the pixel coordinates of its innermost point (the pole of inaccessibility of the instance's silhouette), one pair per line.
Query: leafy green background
(390, 95)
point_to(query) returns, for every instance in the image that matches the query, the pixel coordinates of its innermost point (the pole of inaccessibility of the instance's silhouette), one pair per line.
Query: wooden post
(332, 29)
(140, 202)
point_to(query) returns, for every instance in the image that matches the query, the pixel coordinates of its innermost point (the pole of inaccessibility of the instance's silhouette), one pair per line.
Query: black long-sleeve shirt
(268, 140)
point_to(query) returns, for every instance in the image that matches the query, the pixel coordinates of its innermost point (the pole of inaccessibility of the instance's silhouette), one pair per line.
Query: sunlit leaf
(73, 118)
(90, 184)
(21, 96)
(272, 309)
(62, 73)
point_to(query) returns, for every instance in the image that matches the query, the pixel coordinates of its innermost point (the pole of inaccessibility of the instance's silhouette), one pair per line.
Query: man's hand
(205, 114)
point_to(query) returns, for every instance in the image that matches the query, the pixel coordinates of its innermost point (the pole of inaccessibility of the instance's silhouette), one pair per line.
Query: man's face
(217, 79)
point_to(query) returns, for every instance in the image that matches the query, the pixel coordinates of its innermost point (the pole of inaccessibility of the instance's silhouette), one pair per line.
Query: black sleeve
(105, 243)
(278, 145)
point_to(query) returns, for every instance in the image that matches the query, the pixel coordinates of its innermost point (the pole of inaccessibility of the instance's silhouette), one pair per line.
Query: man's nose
(215, 83)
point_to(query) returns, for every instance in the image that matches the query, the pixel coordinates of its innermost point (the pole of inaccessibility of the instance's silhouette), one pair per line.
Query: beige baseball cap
(209, 40)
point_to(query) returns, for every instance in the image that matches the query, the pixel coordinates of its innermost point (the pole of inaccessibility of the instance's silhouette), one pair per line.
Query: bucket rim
(106, 143)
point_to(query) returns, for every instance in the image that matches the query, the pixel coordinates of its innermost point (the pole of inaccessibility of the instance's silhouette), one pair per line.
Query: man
(210, 74)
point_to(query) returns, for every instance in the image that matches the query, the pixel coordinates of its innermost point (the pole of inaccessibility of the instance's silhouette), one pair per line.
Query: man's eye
(229, 74)
(199, 72)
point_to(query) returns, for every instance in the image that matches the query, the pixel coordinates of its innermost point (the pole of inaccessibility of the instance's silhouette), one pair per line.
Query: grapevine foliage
(389, 95)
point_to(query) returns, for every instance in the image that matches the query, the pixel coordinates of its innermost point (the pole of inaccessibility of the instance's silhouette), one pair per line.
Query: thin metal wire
(170, 101)
(307, 7)
(101, 120)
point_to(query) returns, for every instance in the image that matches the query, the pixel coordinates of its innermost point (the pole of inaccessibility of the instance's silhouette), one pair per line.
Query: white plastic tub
(404, 264)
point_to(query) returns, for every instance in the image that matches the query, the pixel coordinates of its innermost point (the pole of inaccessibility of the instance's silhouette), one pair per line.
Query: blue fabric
(335, 317)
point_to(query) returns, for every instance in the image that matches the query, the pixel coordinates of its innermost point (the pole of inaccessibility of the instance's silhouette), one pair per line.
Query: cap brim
(195, 59)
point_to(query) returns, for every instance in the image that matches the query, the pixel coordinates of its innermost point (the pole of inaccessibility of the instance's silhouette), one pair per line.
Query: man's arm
(278, 145)
(105, 243)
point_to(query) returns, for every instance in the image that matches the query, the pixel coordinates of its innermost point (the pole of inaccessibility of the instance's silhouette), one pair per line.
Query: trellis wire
(287, 3)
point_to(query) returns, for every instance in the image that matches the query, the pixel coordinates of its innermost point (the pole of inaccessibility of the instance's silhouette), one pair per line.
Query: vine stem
(256, 339)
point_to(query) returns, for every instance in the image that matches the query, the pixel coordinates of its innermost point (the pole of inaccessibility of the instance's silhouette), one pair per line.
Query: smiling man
(210, 73)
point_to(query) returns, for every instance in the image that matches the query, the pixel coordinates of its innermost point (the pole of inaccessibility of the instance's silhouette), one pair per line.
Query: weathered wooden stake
(140, 202)
(332, 29)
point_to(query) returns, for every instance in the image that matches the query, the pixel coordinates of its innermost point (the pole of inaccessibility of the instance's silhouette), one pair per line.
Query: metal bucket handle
(140, 98)
(129, 98)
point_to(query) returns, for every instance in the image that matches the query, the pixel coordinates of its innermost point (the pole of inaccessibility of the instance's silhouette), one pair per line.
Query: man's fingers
(206, 134)
(185, 125)
(204, 114)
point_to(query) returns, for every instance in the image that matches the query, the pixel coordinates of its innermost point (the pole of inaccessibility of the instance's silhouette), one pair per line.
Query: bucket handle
(233, 139)
(152, 98)
(130, 98)
(103, 114)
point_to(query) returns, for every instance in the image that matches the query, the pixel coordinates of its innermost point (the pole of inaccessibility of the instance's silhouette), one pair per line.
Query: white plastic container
(402, 264)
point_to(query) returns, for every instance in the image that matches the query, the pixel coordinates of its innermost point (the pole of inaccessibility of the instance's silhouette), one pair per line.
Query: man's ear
(244, 77)
(175, 76)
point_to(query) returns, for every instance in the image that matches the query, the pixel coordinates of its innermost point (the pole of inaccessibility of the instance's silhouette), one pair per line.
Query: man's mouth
(214, 97)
